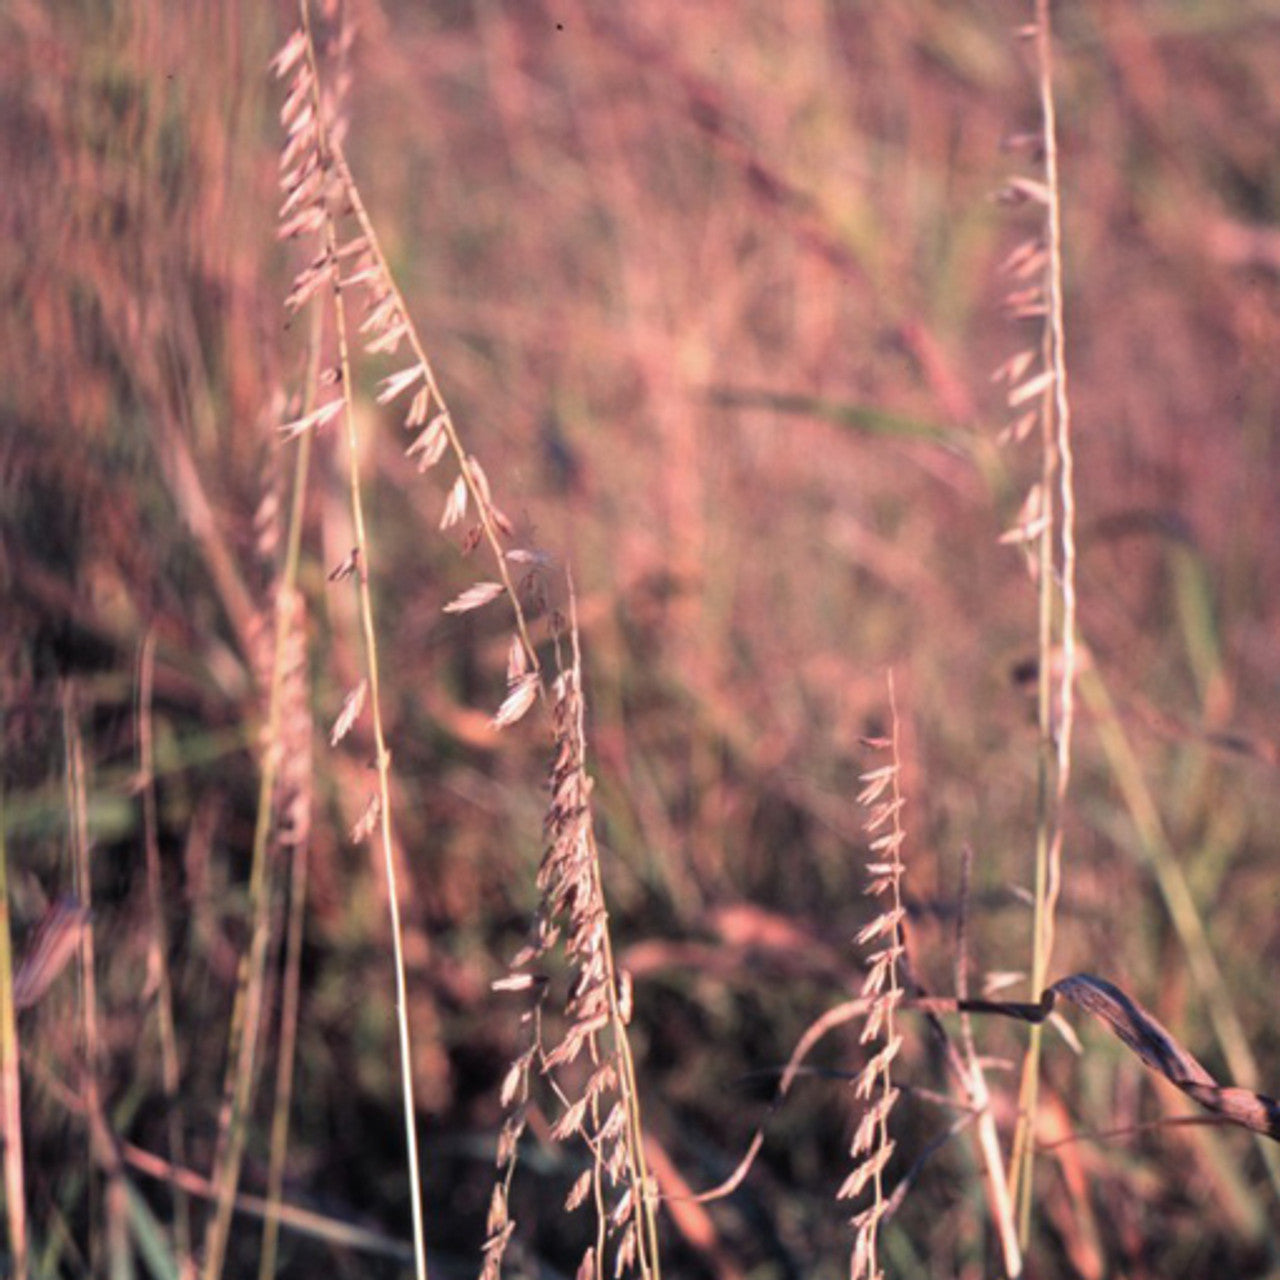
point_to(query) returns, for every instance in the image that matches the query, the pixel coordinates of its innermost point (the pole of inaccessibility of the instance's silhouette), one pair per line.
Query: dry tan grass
(676, 273)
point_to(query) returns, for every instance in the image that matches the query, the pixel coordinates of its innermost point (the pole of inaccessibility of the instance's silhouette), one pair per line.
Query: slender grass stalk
(247, 1015)
(79, 838)
(382, 758)
(289, 1007)
(158, 943)
(1056, 628)
(15, 1194)
(300, 849)
(327, 156)
(102, 1149)
(246, 1020)
(979, 1096)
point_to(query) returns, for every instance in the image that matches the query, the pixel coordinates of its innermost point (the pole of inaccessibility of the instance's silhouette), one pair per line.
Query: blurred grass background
(715, 294)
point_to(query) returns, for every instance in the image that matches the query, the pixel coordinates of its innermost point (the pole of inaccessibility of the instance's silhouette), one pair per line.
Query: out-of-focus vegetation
(716, 291)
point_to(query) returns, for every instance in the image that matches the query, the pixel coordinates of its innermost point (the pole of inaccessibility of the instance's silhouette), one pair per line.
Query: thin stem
(247, 1013)
(79, 839)
(297, 864)
(15, 1197)
(246, 1018)
(158, 946)
(382, 758)
(974, 1085)
(101, 1144)
(1056, 647)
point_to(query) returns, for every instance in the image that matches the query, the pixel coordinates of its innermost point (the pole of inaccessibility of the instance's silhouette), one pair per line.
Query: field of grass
(710, 300)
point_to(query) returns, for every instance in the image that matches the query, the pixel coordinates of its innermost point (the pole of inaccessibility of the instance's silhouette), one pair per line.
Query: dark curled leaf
(1161, 1052)
(1135, 1026)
